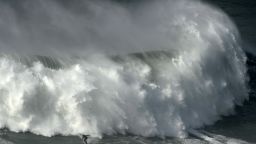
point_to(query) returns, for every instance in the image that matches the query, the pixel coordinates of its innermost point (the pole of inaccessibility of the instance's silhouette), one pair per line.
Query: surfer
(84, 138)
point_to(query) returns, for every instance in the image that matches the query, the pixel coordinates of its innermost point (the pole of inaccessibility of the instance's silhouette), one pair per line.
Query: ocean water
(170, 71)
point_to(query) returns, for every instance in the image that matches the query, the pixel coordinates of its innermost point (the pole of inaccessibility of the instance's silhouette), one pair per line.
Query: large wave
(153, 69)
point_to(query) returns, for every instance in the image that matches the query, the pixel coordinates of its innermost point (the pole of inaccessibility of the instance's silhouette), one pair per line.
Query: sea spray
(157, 69)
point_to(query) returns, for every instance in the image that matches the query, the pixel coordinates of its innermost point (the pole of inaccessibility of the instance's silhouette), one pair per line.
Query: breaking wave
(154, 69)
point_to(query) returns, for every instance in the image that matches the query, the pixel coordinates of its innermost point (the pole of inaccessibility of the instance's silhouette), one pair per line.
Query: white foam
(203, 79)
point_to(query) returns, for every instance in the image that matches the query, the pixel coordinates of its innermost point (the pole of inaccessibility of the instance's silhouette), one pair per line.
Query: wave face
(156, 69)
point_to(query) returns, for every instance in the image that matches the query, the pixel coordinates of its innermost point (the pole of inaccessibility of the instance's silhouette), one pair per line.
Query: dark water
(27, 138)
(241, 125)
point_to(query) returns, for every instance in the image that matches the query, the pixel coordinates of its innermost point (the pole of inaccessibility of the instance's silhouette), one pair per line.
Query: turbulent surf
(160, 68)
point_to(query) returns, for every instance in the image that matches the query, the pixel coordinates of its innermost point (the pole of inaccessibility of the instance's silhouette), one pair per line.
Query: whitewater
(160, 68)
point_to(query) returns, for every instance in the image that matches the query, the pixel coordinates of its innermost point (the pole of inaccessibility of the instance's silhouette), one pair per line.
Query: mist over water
(158, 68)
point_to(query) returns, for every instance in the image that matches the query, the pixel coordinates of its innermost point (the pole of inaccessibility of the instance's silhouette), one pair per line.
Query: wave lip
(199, 76)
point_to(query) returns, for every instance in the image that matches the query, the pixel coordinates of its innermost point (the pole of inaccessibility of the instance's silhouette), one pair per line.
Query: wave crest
(198, 76)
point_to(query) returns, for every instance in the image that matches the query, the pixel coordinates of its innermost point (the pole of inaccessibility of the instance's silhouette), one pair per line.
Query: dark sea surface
(233, 129)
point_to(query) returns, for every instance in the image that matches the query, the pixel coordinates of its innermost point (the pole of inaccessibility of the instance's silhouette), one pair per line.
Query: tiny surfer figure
(84, 138)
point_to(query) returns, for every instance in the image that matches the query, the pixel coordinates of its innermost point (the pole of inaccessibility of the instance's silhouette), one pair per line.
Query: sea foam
(157, 69)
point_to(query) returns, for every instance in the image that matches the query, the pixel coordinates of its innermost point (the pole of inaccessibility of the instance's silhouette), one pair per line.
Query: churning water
(146, 69)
